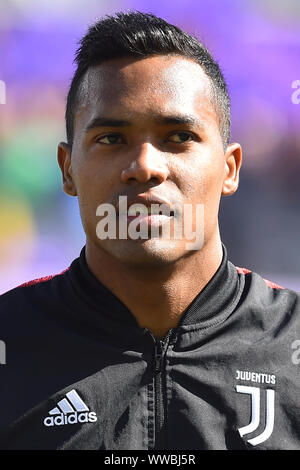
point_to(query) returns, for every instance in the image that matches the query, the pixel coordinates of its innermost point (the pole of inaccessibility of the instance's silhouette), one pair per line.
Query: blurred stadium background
(257, 44)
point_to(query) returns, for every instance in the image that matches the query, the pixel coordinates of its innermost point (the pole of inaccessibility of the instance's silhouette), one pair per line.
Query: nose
(148, 165)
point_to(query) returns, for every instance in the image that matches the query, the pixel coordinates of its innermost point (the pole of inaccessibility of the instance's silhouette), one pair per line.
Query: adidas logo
(70, 410)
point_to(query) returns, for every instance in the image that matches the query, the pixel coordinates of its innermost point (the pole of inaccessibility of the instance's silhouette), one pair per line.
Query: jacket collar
(102, 309)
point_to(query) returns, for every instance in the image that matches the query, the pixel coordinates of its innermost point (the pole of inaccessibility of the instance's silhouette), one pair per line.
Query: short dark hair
(137, 34)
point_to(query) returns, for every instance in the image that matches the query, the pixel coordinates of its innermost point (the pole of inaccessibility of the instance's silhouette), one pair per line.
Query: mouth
(144, 206)
(148, 211)
(150, 219)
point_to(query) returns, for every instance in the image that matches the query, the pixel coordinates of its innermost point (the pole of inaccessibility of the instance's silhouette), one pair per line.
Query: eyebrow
(185, 119)
(106, 122)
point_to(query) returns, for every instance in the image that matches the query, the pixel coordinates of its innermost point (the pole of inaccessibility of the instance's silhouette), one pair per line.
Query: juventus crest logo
(255, 393)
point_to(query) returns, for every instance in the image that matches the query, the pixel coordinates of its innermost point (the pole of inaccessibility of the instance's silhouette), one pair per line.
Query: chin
(150, 252)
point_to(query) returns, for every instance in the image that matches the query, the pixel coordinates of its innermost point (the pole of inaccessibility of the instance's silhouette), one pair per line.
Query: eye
(181, 137)
(109, 139)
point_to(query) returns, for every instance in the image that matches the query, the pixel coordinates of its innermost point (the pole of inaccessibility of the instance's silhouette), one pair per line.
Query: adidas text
(72, 418)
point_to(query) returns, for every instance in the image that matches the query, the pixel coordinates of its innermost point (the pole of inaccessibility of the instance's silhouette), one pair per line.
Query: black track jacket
(80, 373)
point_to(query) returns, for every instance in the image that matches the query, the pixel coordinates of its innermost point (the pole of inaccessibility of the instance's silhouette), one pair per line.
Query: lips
(144, 206)
(144, 211)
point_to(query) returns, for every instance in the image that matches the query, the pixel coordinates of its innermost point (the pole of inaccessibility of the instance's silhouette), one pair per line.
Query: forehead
(162, 83)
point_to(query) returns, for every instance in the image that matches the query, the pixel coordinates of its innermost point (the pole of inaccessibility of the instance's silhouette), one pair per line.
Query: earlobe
(64, 151)
(233, 162)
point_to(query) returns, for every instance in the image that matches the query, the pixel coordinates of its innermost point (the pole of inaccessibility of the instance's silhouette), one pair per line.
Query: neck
(157, 297)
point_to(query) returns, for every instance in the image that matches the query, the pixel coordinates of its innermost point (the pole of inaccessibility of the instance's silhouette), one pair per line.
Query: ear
(233, 162)
(64, 151)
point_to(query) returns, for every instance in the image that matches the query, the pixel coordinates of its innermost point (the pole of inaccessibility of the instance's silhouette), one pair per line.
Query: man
(153, 341)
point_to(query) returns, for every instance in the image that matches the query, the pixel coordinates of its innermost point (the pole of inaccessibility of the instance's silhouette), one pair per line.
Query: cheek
(201, 180)
(94, 187)
(94, 179)
(213, 186)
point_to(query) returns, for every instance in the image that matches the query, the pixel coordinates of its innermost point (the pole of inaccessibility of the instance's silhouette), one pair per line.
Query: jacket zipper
(160, 346)
(159, 409)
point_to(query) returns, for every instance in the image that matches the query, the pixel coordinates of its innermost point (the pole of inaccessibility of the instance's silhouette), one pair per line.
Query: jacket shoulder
(267, 296)
(269, 283)
(28, 294)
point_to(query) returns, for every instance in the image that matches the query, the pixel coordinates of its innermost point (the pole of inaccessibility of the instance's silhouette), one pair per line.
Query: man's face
(147, 128)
